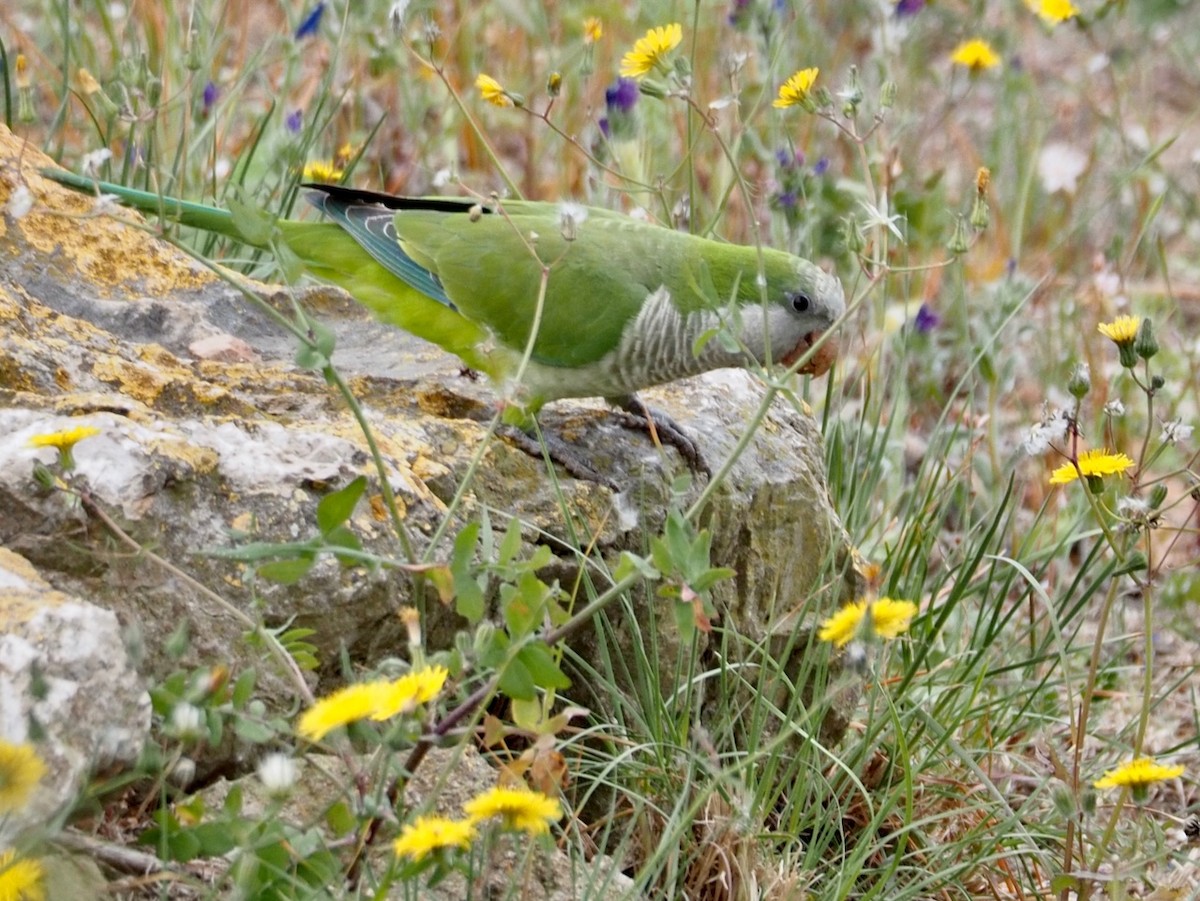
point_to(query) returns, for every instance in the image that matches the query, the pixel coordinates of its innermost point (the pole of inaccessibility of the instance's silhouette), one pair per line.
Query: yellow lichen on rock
(107, 253)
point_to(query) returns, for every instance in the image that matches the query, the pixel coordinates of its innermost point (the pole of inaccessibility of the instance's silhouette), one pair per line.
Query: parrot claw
(558, 451)
(663, 430)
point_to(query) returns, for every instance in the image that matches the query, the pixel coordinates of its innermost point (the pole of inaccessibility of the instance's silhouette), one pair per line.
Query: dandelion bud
(958, 243)
(652, 88)
(1145, 344)
(1080, 382)
(554, 84)
(983, 177)
(485, 636)
(887, 95)
(1158, 494)
(193, 60)
(1157, 382)
(1064, 803)
(852, 233)
(22, 79)
(24, 83)
(980, 214)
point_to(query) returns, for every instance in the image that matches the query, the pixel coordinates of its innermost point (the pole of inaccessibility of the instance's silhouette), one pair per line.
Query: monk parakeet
(624, 304)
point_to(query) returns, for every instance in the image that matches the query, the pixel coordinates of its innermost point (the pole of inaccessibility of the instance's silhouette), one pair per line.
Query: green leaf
(342, 537)
(711, 577)
(469, 599)
(685, 621)
(286, 572)
(336, 508)
(510, 545)
(252, 731)
(516, 681)
(542, 666)
(243, 688)
(628, 564)
(233, 801)
(215, 838)
(523, 603)
(340, 819)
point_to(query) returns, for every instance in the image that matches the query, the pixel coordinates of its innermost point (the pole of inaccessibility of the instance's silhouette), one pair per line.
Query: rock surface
(67, 686)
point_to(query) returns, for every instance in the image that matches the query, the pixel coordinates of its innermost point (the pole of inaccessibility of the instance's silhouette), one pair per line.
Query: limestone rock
(67, 686)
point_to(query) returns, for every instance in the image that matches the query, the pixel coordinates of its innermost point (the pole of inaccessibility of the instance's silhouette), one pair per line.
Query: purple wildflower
(909, 7)
(311, 22)
(926, 319)
(294, 121)
(821, 167)
(622, 95)
(788, 158)
(209, 97)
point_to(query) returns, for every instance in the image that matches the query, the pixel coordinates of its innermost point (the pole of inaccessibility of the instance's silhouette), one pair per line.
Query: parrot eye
(799, 301)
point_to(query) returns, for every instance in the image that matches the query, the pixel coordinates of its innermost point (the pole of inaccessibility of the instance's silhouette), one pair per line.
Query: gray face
(798, 319)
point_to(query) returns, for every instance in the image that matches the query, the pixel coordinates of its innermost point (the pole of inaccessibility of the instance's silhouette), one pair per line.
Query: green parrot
(624, 304)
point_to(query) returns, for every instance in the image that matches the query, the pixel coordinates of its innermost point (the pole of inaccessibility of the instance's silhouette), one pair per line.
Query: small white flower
(91, 162)
(1114, 408)
(106, 204)
(20, 202)
(277, 772)
(187, 721)
(396, 16)
(442, 177)
(570, 217)
(1059, 166)
(1133, 508)
(1175, 431)
(1051, 430)
(878, 215)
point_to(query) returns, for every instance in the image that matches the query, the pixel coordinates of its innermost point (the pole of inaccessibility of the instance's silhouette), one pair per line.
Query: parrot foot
(558, 451)
(663, 430)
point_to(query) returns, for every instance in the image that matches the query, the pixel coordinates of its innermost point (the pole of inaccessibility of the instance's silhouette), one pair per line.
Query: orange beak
(820, 362)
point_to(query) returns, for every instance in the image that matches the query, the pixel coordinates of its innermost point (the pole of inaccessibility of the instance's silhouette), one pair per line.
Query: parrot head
(805, 302)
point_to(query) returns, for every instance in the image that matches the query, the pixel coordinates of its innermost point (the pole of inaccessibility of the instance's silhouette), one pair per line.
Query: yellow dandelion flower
(1122, 330)
(20, 771)
(427, 834)
(593, 30)
(20, 880)
(323, 171)
(1091, 463)
(492, 91)
(976, 54)
(520, 809)
(64, 440)
(87, 82)
(405, 694)
(23, 80)
(345, 706)
(796, 89)
(1138, 773)
(649, 50)
(889, 619)
(345, 154)
(1053, 11)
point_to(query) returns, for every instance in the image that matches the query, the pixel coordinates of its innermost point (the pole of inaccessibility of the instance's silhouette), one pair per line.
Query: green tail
(329, 253)
(193, 215)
